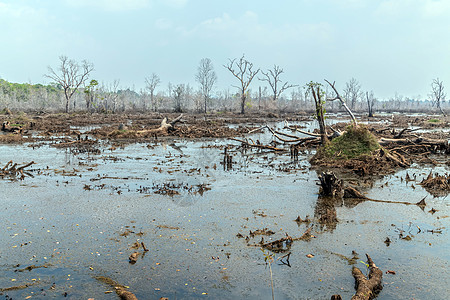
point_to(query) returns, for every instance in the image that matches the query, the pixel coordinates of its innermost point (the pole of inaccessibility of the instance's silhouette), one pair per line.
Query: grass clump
(434, 120)
(355, 142)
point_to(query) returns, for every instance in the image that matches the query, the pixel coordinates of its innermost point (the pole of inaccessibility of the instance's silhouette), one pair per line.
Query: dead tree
(330, 185)
(207, 79)
(367, 288)
(437, 94)
(242, 69)
(163, 129)
(151, 84)
(317, 94)
(112, 95)
(273, 78)
(178, 94)
(338, 97)
(70, 76)
(352, 92)
(370, 103)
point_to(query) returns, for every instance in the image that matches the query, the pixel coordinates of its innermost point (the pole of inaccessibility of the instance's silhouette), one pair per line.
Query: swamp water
(81, 213)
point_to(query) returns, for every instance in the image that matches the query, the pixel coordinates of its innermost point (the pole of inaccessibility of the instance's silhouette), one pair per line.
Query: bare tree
(352, 92)
(242, 69)
(273, 78)
(437, 94)
(178, 94)
(70, 76)
(338, 97)
(152, 82)
(207, 79)
(111, 95)
(370, 102)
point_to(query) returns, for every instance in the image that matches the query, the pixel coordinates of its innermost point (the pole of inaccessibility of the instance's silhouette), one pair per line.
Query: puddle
(81, 213)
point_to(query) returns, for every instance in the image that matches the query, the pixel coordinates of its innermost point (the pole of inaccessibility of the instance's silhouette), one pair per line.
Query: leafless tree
(70, 76)
(207, 79)
(273, 78)
(437, 94)
(111, 95)
(338, 97)
(352, 92)
(178, 94)
(370, 102)
(242, 69)
(152, 82)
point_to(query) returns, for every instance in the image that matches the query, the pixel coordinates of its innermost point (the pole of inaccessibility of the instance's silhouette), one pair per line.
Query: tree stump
(330, 185)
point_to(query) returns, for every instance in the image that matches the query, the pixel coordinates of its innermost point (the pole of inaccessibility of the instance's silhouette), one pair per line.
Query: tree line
(72, 89)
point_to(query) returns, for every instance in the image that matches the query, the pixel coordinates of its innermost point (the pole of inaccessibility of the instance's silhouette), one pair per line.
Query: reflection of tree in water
(325, 212)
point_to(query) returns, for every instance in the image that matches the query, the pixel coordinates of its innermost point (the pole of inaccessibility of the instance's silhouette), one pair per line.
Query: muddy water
(80, 215)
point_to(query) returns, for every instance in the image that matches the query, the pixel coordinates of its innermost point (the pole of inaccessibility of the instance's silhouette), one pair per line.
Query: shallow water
(75, 222)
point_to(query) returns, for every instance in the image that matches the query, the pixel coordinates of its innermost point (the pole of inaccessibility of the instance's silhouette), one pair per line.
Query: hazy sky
(387, 45)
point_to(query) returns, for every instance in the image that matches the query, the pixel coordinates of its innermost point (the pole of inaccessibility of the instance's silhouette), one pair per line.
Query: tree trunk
(319, 115)
(367, 288)
(440, 108)
(67, 105)
(330, 185)
(152, 101)
(243, 103)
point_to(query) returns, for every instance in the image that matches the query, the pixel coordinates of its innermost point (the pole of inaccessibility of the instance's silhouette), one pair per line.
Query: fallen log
(163, 129)
(256, 145)
(120, 290)
(12, 170)
(367, 288)
(6, 127)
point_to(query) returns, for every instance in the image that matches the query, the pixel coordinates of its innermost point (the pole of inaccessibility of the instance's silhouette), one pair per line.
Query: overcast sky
(389, 46)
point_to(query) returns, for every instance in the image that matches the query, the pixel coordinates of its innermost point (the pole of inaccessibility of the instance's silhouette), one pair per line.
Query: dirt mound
(357, 150)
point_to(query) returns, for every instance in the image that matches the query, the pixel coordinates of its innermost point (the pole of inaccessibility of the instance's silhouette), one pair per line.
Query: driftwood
(256, 145)
(120, 290)
(163, 129)
(6, 127)
(12, 170)
(335, 133)
(351, 192)
(367, 288)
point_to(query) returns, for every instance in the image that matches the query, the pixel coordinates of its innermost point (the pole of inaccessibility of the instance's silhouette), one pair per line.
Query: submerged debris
(437, 185)
(121, 290)
(12, 170)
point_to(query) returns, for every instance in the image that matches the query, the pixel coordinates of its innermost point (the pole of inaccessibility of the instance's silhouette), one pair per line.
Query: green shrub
(356, 141)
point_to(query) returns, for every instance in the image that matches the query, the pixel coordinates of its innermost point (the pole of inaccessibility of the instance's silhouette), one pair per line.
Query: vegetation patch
(355, 142)
(434, 120)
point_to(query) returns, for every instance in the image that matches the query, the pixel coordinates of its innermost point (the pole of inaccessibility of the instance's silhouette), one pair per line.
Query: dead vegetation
(121, 290)
(437, 185)
(12, 170)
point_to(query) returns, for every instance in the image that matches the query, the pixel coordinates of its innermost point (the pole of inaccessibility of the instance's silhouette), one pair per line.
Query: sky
(389, 46)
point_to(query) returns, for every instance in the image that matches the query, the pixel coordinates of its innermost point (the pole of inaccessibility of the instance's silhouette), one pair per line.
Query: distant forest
(266, 93)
